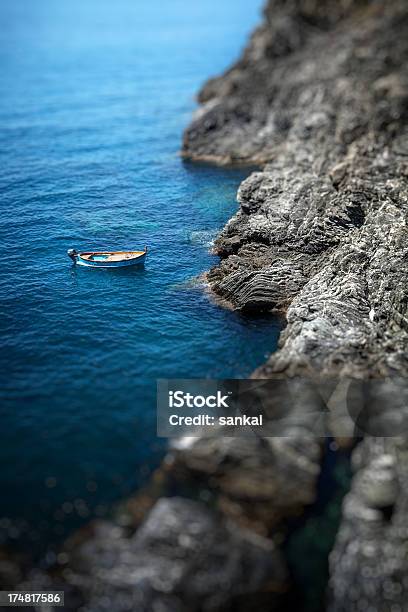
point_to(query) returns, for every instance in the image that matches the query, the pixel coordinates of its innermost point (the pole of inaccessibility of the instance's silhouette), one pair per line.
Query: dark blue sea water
(94, 97)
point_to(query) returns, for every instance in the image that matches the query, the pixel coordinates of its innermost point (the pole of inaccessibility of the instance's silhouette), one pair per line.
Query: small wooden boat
(107, 259)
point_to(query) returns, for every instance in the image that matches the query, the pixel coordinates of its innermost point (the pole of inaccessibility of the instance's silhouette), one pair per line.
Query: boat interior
(116, 256)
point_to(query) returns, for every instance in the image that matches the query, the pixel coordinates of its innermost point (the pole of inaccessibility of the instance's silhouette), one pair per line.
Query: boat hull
(126, 263)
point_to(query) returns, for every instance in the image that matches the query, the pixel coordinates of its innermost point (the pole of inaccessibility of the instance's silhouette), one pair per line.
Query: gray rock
(183, 557)
(320, 99)
(369, 563)
(321, 96)
(257, 479)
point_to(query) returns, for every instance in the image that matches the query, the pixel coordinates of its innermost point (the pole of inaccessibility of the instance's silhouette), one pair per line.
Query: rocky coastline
(320, 100)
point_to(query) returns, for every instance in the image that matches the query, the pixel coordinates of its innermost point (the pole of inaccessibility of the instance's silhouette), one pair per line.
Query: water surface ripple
(94, 98)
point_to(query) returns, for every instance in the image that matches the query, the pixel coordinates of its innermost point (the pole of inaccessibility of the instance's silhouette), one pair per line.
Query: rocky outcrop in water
(321, 95)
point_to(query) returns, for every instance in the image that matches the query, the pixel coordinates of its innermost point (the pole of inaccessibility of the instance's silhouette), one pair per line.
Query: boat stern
(72, 254)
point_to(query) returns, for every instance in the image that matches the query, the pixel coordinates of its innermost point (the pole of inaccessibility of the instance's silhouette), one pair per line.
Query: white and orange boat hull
(108, 259)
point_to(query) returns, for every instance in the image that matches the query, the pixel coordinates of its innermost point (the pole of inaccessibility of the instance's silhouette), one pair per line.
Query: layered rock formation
(320, 100)
(321, 231)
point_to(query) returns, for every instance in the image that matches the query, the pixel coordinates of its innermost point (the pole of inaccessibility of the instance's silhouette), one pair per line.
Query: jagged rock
(263, 289)
(184, 557)
(261, 479)
(369, 563)
(320, 98)
(321, 95)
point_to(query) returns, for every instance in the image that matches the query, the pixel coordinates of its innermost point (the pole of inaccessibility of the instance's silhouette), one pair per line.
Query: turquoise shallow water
(93, 100)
